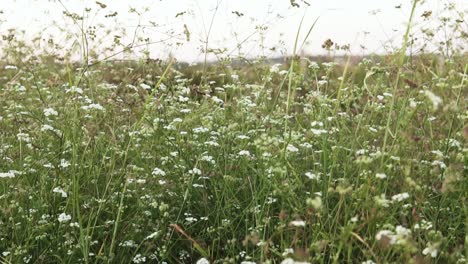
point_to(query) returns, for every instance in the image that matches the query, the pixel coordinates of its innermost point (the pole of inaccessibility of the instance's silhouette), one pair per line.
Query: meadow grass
(134, 162)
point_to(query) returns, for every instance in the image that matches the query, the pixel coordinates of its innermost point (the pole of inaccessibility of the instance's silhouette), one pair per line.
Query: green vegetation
(304, 161)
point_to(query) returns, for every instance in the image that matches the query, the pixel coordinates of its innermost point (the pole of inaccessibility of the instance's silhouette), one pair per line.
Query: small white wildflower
(199, 130)
(382, 201)
(63, 217)
(128, 243)
(288, 261)
(275, 68)
(245, 153)
(183, 99)
(292, 148)
(436, 100)
(312, 176)
(139, 259)
(368, 262)
(74, 224)
(431, 249)
(288, 251)
(217, 100)
(316, 123)
(203, 261)
(314, 65)
(50, 112)
(381, 175)
(400, 197)
(10, 67)
(158, 172)
(318, 132)
(195, 171)
(93, 107)
(47, 128)
(316, 203)
(243, 137)
(60, 191)
(9, 174)
(64, 163)
(322, 82)
(74, 89)
(23, 137)
(385, 233)
(298, 223)
(145, 86)
(152, 235)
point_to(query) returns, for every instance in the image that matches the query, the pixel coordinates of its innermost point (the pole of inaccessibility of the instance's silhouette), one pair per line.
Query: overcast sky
(343, 21)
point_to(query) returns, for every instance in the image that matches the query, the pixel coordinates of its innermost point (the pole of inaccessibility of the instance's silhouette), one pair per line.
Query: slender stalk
(397, 81)
(124, 189)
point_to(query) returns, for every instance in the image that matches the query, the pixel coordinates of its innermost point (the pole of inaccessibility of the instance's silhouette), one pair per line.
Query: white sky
(344, 21)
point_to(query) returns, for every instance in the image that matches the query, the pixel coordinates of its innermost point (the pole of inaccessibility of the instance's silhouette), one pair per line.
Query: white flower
(244, 153)
(298, 223)
(10, 67)
(382, 201)
(158, 172)
(74, 89)
(436, 100)
(152, 235)
(183, 99)
(9, 174)
(288, 261)
(368, 262)
(431, 249)
(199, 130)
(139, 259)
(63, 217)
(50, 112)
(217, 100)
(292, 148)
(64, 163)
(275, 68)
(316, 203)
(402, 233)
(47, 128)
(23, 137)
(318, 131)
(314, 65)
(381, 175)
(93, 106)
(288, 251)
(400, 197)
(60, 191)
(292, 261)
(162, 182)
(145, 86)
(203, 261)
(385, 233)
(312, 176)
(195, 171)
